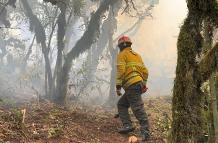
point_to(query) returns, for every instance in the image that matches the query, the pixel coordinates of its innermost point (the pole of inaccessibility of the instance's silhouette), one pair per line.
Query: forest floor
(48, 123)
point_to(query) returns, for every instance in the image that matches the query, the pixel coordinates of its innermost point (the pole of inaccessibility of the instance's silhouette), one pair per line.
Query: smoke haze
(156, 41)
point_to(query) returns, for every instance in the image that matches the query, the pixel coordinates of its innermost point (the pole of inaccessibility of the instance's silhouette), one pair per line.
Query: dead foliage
(47, 122)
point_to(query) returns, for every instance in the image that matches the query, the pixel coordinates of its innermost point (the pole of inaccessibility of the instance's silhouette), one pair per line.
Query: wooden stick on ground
(24, 115)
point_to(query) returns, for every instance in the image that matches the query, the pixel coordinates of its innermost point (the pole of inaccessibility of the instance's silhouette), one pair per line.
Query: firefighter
(132, 77)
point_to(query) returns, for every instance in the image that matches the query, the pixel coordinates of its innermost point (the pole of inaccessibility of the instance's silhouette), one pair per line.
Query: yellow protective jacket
(130, 68)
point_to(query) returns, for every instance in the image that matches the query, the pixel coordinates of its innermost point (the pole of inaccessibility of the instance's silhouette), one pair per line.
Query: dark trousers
(132, 98)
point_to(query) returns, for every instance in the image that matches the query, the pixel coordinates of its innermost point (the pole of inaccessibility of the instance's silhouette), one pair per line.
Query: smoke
(156, 42)
(153, 37)
(20, 79)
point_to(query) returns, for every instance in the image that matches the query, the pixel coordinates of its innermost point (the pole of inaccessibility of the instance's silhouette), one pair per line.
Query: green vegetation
(188, 120)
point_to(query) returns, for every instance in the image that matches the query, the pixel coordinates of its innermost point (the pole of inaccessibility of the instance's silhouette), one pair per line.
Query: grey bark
(25, 60)
(37, 28)
(82, 45)
(113, 53)
(96, 51)
(61, 34)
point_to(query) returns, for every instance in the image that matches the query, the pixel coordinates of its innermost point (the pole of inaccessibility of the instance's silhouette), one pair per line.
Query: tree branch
(85, 42)
(209, 63)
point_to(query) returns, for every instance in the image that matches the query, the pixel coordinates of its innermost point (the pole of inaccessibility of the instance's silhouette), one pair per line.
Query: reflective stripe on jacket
(130, 68)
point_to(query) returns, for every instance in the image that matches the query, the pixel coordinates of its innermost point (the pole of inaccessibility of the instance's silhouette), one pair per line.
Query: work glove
(144, 87)
(118, 87)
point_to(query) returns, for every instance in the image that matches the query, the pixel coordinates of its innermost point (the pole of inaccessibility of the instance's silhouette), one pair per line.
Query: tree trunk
(29, 52)
(213, 109)
(82, 45)
(60, 39)
(47, 68)
(38, 29)
(106, 37)
(112, 93)
(113, 53)
(208, 39)
(186, 110)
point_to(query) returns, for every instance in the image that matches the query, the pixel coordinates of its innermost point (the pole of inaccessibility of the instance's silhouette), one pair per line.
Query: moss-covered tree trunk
(187, 121)
(211, 97)
(191, 72)
(213, 109)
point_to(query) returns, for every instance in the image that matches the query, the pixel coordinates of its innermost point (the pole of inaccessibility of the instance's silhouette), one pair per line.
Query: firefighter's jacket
(130, 68)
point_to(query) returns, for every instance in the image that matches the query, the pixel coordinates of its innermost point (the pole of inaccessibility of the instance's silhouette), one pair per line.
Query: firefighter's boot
(145, 136)
(126, 129)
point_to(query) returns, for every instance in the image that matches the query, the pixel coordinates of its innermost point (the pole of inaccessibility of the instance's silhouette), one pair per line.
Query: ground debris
(46, 122)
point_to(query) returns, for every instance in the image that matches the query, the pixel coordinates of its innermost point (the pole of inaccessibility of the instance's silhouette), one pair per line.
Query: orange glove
(144, 87)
